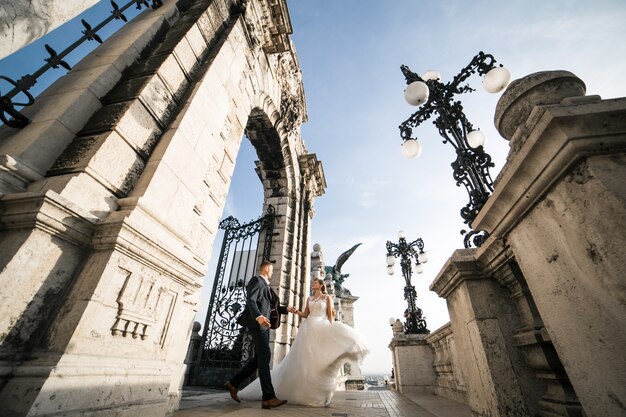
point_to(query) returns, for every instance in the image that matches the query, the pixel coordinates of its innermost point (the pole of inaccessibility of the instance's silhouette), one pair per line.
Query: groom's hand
(292, 310)
(263, 321)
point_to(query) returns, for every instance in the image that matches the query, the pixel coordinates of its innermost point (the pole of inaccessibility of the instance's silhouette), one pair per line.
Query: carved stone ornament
(137, 302)
(292, 93)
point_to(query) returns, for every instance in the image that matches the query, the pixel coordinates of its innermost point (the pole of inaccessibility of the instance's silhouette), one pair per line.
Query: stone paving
(383, 403)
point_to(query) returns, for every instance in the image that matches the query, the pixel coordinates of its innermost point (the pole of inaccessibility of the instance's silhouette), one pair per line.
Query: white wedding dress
(308, 373)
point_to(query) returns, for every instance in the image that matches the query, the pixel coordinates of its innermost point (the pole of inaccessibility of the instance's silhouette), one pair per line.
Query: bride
(307, 375)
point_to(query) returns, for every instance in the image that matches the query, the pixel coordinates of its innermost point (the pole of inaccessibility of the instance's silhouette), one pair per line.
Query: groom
(260, 300)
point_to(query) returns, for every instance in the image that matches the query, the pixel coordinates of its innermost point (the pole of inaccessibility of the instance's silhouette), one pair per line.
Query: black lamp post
(415, 323)
(471, 167)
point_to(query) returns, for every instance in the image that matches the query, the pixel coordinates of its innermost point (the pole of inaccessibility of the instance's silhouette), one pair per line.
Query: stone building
(537, 313)
(111, 196)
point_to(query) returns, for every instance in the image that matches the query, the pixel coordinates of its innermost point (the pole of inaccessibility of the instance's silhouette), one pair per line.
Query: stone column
(450, 382)
(549, 393)
(412, 361)
(25, 21)
(560, 204)
(483, 322)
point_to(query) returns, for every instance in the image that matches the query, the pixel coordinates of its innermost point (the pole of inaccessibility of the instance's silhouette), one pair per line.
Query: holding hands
(263, 321)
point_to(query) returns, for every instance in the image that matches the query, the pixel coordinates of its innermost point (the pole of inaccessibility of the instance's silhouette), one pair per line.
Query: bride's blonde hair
(322, 285)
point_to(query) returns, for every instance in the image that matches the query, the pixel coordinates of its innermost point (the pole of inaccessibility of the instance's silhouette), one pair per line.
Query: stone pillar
(352, 377)
(192, 350)
(483, 322)
(560, 205)
(450, 381)
(25, 21)
(412, 361)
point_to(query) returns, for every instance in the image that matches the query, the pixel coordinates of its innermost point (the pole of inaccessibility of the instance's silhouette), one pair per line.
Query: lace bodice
(318, 307)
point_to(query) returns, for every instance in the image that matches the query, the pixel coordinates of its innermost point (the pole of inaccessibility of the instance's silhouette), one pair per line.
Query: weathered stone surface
(412, 362)
(22, 21)
(138, 194)
(450, 382)
(523, 95)
(557, 223)
(483, 322)
(570, 249)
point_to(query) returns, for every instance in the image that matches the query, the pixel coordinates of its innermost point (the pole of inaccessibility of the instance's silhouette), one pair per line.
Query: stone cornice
(493, 254)
(403, 339)
(461, 266)
(49, 212)
(160, 250)
(558, 136)
(313, 173)
(276, 26)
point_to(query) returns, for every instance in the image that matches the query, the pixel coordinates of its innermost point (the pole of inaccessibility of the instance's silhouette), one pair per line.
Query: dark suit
(260, 299)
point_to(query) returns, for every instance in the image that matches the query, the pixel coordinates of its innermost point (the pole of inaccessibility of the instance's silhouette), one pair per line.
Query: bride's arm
(304, 314)
(330, 311)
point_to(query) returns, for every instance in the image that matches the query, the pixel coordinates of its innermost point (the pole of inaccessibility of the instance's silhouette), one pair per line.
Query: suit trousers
(260, 361)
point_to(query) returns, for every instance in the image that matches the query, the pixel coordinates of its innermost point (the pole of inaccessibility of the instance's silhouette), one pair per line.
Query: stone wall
(412, 358)
(111, 197)
(537, 311)
(449, 382)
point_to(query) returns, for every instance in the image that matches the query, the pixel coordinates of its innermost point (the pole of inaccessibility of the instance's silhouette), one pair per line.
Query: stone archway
(112, 196)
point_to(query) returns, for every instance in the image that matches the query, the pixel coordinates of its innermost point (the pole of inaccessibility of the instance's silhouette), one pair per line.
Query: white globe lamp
(431, 75)
(476, 138)
(416, 93)
(496, 79)
(422, 258)
(411, 149)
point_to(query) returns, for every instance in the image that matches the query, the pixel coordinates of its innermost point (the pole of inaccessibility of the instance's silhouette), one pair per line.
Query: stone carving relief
(137, 305)
(292, 102)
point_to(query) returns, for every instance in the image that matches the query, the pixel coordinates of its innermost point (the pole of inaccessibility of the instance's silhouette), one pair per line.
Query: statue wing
(343, 258)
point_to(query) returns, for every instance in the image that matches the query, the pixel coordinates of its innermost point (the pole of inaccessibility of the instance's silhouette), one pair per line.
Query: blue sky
(350, 52)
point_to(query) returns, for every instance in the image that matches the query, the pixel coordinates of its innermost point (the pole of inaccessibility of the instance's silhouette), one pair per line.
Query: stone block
(159, 100)
(186, 57)
(207, 26)
(107, 157)
(197, 41)
(72, 109)
(38, 144)
(173, 76)
(99, 80)
(185, 163)
(138, 127)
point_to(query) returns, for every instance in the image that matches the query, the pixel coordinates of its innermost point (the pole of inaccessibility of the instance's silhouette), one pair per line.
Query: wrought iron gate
(225, 344)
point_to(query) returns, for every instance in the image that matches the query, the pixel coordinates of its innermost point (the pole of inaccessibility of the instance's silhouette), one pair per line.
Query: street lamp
(471, 167)
(415, 323)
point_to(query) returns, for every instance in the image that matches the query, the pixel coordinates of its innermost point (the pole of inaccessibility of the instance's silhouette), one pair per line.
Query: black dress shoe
(273, 403)
(233, 391)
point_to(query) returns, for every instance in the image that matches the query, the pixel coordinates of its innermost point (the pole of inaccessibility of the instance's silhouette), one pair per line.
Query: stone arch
(120, 209)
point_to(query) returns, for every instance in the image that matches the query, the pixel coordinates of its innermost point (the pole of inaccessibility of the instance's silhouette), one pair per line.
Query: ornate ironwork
(9, 114)
(414, 321)
(471, 167)
(224, 342)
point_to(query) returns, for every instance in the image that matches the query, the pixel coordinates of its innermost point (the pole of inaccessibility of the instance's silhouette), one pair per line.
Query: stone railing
(449, 379)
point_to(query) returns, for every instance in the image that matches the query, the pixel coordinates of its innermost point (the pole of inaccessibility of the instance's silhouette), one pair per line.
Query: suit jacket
(261, 300)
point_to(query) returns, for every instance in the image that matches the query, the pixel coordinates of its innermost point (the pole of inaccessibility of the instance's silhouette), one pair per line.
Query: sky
(350, 52)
